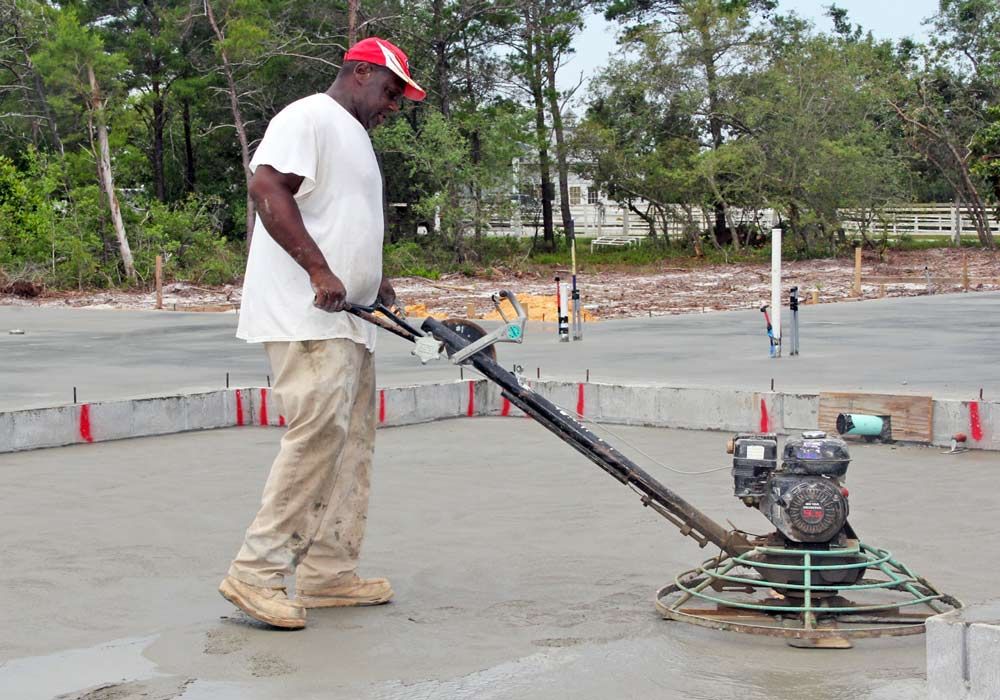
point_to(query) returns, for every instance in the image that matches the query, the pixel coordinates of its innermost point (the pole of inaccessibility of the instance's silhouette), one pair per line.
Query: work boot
(269, 605)
(354, 591)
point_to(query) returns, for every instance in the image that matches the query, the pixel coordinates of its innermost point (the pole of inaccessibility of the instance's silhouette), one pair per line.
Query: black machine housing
(803, 497)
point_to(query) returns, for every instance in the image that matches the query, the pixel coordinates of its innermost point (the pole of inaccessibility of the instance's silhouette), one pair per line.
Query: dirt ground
(620, 293)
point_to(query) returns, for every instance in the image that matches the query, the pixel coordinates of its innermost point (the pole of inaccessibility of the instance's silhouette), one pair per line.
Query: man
(318, 191)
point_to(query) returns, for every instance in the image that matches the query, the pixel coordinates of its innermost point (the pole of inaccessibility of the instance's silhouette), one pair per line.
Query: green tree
(264, 54)
(817, 139)
(640, 139)
(23, 95)
(149, 36)
(436, 152)
(942, 95)
(712, 41)
(455, 43)
(985, 152)
(560, 21)
(74, 62)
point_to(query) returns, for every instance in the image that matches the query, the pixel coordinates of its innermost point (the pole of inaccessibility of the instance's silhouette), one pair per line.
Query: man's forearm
(283, 221)
(273, 193)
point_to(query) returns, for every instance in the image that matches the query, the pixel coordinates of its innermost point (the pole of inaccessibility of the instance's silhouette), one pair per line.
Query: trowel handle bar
(397, 327)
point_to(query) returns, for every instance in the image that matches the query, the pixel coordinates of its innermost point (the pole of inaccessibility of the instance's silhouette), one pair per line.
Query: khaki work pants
(314, 508)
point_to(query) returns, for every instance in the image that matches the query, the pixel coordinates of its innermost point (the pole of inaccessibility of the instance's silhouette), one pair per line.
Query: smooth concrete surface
(521, 571)
(944, 346)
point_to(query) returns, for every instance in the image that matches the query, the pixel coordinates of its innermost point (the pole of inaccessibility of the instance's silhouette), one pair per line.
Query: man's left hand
(386, 294)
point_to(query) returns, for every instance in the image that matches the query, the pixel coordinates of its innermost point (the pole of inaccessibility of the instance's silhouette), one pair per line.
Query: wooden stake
(159, 281)
(815, 296)
(470, 311)
(881, 290)
(857, 272)
(965, 273)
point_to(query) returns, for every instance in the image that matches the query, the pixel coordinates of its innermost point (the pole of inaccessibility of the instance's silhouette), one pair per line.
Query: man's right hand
(330, 294)
(274, 194)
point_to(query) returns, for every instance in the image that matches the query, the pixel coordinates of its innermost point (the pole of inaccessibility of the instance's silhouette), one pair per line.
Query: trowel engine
(803, 496)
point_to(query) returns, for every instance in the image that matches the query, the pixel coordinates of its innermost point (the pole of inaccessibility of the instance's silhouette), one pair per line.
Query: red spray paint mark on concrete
(505, 407)
(239, 407)
(381, 406)
(263, 406)
(975, 427)
(85, 433)
(580, 404)
(471, 411)
(281, 421)
(765, 422)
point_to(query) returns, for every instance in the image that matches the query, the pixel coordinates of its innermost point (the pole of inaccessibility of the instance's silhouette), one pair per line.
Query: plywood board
(912, 416)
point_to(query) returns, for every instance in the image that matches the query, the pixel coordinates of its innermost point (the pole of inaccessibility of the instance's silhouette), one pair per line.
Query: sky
(889, 19)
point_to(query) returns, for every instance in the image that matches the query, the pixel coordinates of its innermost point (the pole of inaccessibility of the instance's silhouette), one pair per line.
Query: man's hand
(386, 294)
(329, 290)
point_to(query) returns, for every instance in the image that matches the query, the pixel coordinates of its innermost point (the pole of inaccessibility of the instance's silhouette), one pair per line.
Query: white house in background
(594, 215)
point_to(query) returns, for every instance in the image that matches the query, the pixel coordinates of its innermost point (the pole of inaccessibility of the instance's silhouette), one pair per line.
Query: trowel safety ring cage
(808, 616)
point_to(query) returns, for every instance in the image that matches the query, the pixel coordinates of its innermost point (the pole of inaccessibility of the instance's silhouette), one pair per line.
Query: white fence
(590, 220)
(609, 220)
(916, 220)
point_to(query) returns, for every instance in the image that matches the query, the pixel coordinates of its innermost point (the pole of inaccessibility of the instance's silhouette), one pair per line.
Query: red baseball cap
(382, 53)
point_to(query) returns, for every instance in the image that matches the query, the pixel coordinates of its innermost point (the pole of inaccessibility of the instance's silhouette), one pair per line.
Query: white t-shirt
(341, 204)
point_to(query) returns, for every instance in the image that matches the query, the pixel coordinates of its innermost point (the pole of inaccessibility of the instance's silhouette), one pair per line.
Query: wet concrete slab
(520, 569)
(942, 345)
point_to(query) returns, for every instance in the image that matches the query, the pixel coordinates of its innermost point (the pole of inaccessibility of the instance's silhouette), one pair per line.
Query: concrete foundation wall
(963, 654)
(697, 409)
(979, 420)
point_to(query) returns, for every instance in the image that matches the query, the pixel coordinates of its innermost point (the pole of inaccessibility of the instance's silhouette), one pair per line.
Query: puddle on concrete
(44, 677)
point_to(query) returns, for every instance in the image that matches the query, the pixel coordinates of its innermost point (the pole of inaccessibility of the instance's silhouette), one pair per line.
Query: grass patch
(906, 242)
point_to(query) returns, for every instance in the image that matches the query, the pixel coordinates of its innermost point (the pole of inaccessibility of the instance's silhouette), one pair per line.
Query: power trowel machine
(811, 581)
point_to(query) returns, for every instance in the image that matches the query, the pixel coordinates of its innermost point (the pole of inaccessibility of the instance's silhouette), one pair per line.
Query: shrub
(188, 234)
(27, 216)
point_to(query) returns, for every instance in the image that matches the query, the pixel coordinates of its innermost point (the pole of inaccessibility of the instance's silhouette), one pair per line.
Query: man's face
(381, 94)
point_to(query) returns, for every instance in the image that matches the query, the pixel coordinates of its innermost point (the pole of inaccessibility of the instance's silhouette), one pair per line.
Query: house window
(593, 196)
(574, 195)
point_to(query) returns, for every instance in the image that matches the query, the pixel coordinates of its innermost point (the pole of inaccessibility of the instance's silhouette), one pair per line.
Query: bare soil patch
(617, 293)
